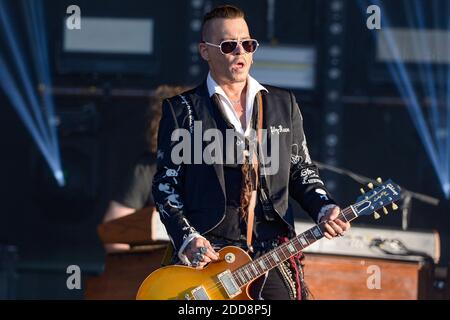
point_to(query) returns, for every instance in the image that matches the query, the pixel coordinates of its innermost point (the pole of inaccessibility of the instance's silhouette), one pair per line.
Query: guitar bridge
(231, 287)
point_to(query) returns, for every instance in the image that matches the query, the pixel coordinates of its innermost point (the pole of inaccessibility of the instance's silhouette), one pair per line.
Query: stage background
(101, 135)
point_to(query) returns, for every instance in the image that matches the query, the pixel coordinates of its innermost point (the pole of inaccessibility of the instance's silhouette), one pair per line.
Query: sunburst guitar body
(186, 283)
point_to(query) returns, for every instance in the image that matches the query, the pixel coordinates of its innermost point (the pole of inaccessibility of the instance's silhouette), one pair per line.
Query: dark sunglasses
(228, 46)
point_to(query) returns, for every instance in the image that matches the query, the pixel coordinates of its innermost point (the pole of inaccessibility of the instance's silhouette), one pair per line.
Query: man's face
(227, 68)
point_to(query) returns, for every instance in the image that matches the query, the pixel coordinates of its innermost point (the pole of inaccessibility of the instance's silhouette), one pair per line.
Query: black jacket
(191, 197)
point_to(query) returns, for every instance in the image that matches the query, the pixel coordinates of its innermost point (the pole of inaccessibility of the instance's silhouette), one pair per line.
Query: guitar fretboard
(270, 260)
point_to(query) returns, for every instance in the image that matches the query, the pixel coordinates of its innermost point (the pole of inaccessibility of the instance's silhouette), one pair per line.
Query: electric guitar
(230, 276)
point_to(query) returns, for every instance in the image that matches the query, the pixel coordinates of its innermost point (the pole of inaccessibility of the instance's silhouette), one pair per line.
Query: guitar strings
(218, 285)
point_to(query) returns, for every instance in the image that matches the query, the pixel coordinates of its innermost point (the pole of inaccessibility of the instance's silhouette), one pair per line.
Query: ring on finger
(203, 250)
(200, 257)
(195, 262)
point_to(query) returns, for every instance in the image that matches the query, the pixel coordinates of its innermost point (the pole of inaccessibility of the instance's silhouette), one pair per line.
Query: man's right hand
(194, 254)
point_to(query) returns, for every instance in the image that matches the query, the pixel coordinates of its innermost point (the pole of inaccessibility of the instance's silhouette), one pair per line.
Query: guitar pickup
(199, 293)
(231, 287)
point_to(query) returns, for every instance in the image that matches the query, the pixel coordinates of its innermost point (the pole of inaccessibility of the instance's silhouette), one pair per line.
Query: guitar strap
(255, 176)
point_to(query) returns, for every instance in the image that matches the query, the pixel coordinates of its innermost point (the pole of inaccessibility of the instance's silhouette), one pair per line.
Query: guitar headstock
(379, 197)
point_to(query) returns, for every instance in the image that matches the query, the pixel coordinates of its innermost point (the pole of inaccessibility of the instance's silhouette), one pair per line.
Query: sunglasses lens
(228, 46)
(249, 45)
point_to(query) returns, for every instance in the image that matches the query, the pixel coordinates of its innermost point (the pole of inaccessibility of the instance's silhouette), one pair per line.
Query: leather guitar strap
(255, 175)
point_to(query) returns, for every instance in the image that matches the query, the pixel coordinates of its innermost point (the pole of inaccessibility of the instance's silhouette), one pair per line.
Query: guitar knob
(370, 185)
(394, 206)
(376, 215)
(362, 191)
(379, 180)
(385, 210)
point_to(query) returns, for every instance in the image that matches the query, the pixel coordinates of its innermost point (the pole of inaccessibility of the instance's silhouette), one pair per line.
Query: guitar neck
(270, 260)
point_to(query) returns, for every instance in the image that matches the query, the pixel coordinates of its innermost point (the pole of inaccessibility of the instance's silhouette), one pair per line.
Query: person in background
(135, 192)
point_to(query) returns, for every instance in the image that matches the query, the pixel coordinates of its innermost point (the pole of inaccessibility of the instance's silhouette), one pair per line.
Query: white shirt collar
(253, 87)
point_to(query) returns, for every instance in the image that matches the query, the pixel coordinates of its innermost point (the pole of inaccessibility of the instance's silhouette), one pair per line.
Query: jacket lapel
(203, 107)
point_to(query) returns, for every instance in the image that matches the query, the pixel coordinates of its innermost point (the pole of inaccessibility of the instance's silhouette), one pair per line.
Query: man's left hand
(334, 227)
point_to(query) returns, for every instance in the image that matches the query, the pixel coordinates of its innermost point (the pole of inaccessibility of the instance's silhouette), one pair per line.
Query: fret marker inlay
(262, 264)
(275, 257)
(291, 247)
(303, 241)
(317, 233)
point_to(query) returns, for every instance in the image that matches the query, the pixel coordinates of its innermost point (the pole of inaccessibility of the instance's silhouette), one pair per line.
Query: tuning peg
(362, 190)
(379, 180)
(385, 210)
(394, 206)
(376, 215)
(370, 185)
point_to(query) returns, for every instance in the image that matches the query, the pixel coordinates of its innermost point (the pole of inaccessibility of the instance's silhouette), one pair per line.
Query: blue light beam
(37, 37)
(447, 158)
(18, 59)
(42, 131)
(12, 92)
(426, 73)
(404, 85)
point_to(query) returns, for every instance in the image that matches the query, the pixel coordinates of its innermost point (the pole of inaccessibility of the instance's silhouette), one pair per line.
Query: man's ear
(203, 50)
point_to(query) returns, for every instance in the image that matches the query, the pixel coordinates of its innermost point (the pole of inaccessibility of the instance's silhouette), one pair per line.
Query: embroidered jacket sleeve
(305, 184)
(168, 181)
